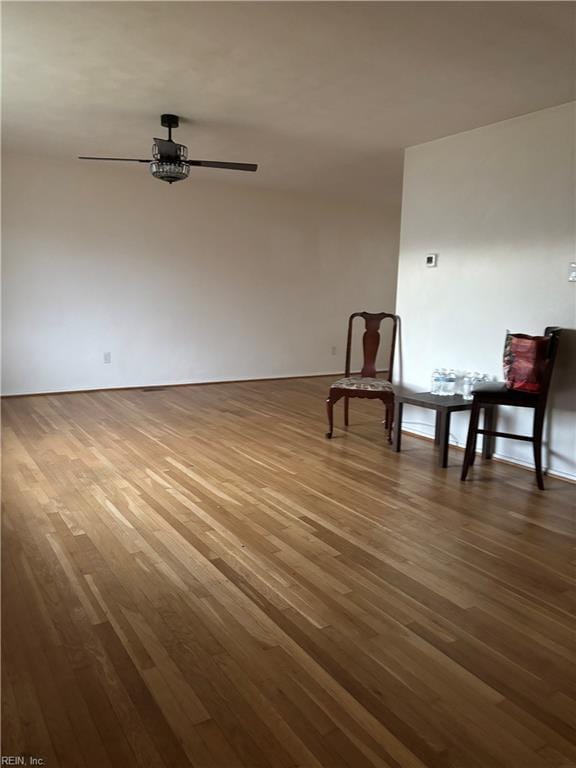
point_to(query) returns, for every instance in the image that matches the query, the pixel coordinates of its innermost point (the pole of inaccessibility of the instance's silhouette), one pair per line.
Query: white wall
(199, 281)
(497, 205)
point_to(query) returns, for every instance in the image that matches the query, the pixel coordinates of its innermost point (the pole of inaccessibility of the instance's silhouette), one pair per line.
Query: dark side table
(444, 406)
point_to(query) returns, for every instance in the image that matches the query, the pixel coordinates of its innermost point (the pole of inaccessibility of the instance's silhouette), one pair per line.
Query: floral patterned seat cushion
(363, 382)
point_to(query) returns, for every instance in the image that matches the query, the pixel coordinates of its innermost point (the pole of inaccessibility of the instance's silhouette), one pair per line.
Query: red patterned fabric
(525, 360)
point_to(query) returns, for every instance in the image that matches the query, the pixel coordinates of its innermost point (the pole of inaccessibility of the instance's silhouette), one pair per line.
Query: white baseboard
(187, 383)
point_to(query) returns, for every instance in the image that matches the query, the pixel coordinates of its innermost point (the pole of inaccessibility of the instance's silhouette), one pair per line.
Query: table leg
(437, 435)
(489, 424)
(398, 407)
(444, 417)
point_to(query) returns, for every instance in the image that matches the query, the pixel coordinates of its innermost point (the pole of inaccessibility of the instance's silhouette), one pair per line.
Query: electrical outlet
(333, 350)
(107, 358)
(572, 272)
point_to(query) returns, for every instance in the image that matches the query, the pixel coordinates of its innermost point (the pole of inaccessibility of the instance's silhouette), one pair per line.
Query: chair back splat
(371, 342)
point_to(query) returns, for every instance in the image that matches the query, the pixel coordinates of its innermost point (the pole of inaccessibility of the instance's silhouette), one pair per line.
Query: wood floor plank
(196, 578)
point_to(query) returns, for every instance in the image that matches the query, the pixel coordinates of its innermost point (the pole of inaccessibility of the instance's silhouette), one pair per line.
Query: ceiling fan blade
(229, 166)
(119, 159)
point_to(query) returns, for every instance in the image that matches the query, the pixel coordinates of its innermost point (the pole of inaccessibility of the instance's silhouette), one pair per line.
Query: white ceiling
(323, 95)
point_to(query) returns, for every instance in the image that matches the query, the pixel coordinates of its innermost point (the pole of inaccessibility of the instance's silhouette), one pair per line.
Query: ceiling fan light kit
(170, 160)
(169, 172)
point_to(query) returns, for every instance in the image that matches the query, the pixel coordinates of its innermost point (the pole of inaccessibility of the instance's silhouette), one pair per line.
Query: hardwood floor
(197, 577)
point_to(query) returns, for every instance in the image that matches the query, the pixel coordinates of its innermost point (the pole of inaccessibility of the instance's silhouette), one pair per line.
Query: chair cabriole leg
(330, 412)
(397, 426)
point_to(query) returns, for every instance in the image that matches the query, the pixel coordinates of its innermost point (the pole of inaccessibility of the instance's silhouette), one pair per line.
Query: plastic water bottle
(435, 384)
(458, 382)
(477, 378)
(441, 381)
(467, 387)
(450, 388)
(460, 376)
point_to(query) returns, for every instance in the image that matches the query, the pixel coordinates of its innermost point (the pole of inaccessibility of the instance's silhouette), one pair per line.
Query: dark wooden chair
(366, 384)
(488, 396)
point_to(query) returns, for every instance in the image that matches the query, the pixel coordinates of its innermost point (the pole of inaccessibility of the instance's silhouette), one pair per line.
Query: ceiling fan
(170, 160)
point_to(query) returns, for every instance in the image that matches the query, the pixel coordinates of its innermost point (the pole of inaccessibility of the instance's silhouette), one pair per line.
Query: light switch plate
(431, 259)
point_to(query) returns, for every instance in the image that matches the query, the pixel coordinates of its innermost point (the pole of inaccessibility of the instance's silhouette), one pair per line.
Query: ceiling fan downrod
(169, 121)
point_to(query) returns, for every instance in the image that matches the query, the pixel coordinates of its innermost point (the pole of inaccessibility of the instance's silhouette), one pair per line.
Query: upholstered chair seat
(363, 382)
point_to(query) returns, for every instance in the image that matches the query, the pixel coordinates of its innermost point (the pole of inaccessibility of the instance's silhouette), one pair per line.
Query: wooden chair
(366, 384)
(492, 394)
